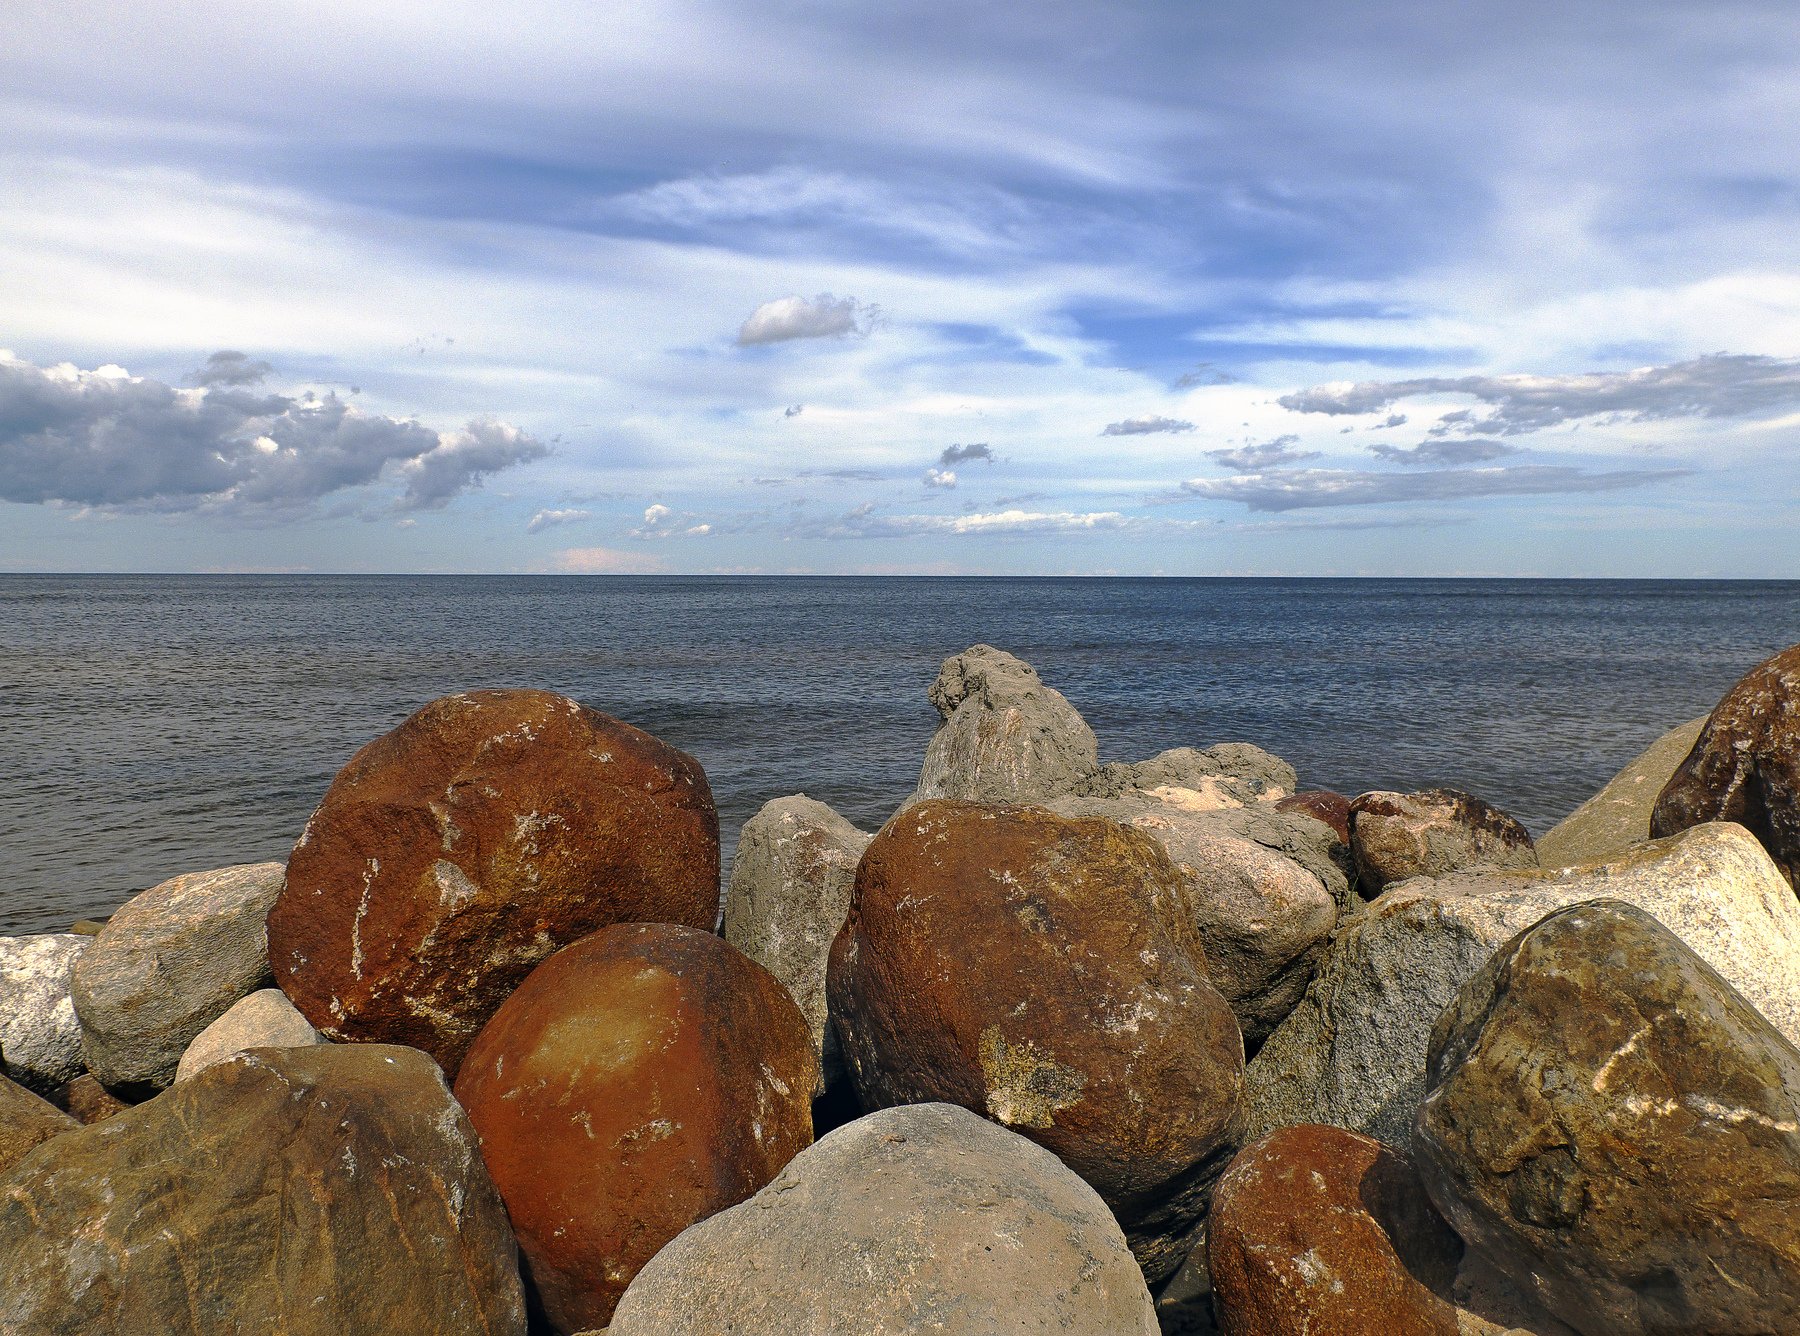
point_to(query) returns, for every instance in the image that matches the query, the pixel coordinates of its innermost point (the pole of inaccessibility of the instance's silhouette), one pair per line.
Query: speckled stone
(40, 1036)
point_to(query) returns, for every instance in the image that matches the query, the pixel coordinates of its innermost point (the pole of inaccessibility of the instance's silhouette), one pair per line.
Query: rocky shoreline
(1176, 1046)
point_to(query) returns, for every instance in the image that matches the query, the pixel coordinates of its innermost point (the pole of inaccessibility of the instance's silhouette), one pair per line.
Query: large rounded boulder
(486, 831)
(310, 1191)
(1619, 1130)
(1745, 766)
(922, 1219)
(638, 1081)
(1396, 836)
(1046, 971)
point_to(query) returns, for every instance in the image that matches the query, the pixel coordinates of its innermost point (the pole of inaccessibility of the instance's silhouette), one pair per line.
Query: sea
(152, 725)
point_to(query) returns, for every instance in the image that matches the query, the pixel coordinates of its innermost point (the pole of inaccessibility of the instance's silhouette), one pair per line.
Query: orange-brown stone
(637, 1082)
(1319, 1231)
(1746, 765)
(1045, 971)
(486, 831)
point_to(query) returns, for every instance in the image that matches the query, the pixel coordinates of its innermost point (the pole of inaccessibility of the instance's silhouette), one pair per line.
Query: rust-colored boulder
(1046, 971)
(1322, 805)
(1395, 836)
(1318, 1231)
(452, 855)
(1746, 765)
(637, 1082)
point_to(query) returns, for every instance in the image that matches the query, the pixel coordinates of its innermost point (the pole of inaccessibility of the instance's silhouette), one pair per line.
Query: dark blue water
(158, 724)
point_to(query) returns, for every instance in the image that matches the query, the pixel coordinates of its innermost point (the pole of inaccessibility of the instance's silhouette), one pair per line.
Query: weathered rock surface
(1005, 736)
(87, 1101)
(1617, 1129)
(40, 1038)
(638, 1081)
(1352, 1052)
(1618, 816)
(265, 1019)
(310, 1191)
(1263, 917)
(1046, 971)
(1396, 836)
(791, 881)
(1316, 1231)
(1322, 805)
(1488, 1303)
(453, 854)
(26, 1121)
(169, 963)
(1225, 775)
(1746, 765)
(911, 1220)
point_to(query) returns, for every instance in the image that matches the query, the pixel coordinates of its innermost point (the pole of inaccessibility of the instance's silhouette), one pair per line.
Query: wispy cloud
(962, 454)
(1145, 426)
(1308, 488)
(1446, 450)
(1721, 385)
(1268, 455)
(105, 438)
(549, 519)
(821, 317)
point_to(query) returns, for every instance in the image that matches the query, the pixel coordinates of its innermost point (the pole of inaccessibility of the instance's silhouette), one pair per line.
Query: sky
(701, 286)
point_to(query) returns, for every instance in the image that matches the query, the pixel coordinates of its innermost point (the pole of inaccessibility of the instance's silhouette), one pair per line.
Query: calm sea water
(160, 724)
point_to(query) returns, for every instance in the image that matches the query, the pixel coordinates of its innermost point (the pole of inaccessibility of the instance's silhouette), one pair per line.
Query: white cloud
(1147, 425)
(821, 317)
(549, 519)
(940, 478)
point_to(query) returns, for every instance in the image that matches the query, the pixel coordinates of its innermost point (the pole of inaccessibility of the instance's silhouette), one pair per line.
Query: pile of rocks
(1167, 1046)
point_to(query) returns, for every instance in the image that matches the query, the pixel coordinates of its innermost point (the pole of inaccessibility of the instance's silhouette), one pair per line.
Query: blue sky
(1283, 288)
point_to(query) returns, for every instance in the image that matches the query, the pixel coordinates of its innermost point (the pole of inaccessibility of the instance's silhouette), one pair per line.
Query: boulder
(1618, 816)
(308, 1191)
(40, 1037)
(1745, 767)
(26, 1121)
(1316, 1231)
(1396, 836)
(791, 880)
(265, 1019)
(638, 1081)
(1263, 917)
(168, 964)
(1488, 1303)
(1046, 971)
(1614, 1126)
(453, 854)
(922, 1219)
(1005, 736)
(87, 1101)
(1322, 805)
(1225, 775)
(1352, 1052)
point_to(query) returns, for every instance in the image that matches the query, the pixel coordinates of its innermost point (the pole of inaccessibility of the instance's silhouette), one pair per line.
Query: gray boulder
(922, 1218)
(265, 1019)
(1005, 736)
(1618, 816)
(1352, 1053)
(40, 1038)
(1397, 836)
(791, 881)
(1619, 1131)
(307, 1191)
(169, 963)
(1225, 775)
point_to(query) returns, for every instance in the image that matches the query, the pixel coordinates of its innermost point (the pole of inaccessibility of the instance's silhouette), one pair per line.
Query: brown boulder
(1322, 805)
(1394, 836)
(26, 1121)
(1045, 971)
(456, 852)
(1746, 765)
(1615, 1127)
(310, 1192)
(637, 1082)
(87, 1101)
(1318, 1231)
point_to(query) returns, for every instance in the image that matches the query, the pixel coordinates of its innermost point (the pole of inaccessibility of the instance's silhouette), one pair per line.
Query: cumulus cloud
(549, 519)
(961, 454)
(107, 439)
(1442, 451)
(821, 317)
(1145, 425)
(939, 478)
(227, 367)
(1718, 385)
(662, 522)
(1268, 455)
(1310, 488)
